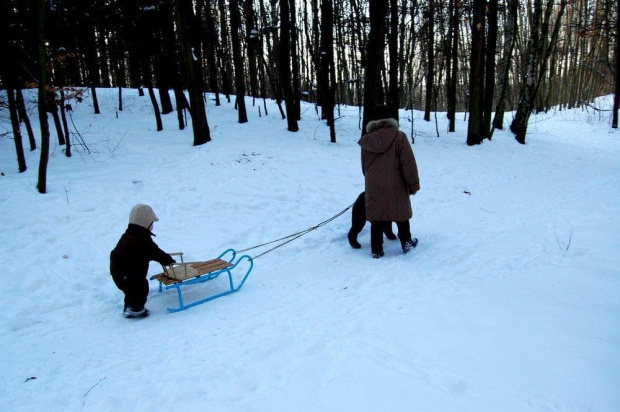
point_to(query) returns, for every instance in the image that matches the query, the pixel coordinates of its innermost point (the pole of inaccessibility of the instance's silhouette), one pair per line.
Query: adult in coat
(391, 176)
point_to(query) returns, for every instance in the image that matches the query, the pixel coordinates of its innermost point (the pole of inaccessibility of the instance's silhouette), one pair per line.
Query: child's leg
(121, 284)
(136, 292)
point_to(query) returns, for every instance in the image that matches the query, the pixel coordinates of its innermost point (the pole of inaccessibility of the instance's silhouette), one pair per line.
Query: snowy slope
(510, 302)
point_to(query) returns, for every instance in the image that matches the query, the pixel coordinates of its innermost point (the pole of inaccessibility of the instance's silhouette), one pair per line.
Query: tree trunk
(475, 127)
(327, 65)
(182, 104)
(23, 115)
(295, 63)
(285, 70)
(160, 126)
(510, 35)
(167, 60)
(17, 135)
(235, 22)
(93, 92)
(42, 74)
(327, 62)
(375, 50)
(614, 122)
(453, 67)
(223, 52)
(164, 97)
(212, 45)
(65, 127)
(252, 43)
(489, 86)
(53, 109)
(120, 98)
(200, 127)
(393, 92)
(430, 51)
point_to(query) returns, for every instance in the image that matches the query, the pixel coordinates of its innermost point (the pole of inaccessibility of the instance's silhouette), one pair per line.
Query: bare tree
(39, 11)
(23, 115)
(235, 21)
(17, 136)
(224, 51)
(510, 35)
(211, 42)
(285, 70)
(489, 71)
(614, 122)
(430, 58)
(185, 17)
(9, 77)
(376, 55)
(393, 92)
(326, 53)
(541, 43)
(475, 127)
(252, 39)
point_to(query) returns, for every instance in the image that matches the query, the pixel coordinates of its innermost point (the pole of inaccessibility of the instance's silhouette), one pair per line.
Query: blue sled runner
(180, 275)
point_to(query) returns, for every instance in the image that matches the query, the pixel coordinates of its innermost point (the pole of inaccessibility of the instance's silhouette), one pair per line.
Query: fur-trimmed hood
(380, 124)
(380, 135)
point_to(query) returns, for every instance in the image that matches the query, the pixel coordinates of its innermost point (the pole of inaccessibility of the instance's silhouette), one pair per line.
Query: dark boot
(410, 244)
(378, 255)
(130, 313)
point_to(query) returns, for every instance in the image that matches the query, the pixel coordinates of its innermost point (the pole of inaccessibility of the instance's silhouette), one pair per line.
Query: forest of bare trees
(483, 58)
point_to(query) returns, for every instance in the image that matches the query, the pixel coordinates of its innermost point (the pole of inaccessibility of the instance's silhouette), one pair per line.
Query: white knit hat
(142, 215)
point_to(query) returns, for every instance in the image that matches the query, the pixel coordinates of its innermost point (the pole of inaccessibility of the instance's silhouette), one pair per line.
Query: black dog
(358, 221)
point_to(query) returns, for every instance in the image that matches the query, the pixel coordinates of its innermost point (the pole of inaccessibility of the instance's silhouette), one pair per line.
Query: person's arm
(160, 256)
(408, 165)
(363, 162)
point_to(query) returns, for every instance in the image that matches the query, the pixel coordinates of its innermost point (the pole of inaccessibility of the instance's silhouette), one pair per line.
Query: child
(129, 261)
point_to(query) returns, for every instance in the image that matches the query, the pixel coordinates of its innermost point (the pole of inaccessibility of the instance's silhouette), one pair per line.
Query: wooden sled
(183, 274)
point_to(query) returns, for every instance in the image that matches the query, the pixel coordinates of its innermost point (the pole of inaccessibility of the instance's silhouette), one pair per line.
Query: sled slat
(211, 265)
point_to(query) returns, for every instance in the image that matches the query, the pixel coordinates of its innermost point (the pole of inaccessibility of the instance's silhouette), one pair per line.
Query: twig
(78, 135)
(570, 238)
(91, 388)
(66, 193)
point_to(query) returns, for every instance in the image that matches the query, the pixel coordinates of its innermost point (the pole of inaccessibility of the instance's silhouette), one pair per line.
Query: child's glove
(171, 261)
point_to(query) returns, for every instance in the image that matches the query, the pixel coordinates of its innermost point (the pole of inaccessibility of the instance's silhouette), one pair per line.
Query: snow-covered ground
(511, 302)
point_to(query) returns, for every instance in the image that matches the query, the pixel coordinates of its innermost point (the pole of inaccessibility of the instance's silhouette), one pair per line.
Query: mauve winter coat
(390, 172)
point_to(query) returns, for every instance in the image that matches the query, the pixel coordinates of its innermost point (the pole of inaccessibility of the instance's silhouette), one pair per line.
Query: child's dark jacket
(135, 249)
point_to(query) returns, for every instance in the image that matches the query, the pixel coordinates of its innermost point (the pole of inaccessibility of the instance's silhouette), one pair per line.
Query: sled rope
(295, 235)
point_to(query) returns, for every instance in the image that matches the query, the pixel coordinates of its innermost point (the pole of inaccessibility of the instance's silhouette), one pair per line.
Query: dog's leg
(358, 220)
(388, 232)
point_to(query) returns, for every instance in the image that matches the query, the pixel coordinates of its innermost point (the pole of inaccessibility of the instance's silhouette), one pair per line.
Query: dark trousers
(378, 228)
(135, 290)
(358, 217)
